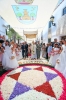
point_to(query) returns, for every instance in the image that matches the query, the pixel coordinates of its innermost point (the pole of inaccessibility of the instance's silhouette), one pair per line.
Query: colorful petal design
(7, 87)
(19, 89)
(32, 78)
(33, 82)
(15, 76)
(15, 71)
(25, 69)
(57, 86)
(45, 88)
(34, 95)
(39, 68)
(50, 76)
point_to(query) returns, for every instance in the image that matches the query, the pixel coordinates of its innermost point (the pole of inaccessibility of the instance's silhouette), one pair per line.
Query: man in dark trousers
(47, 51)
(23, 50)
(26, 49)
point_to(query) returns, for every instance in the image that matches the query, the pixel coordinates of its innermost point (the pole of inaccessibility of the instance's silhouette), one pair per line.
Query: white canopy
(27, 15)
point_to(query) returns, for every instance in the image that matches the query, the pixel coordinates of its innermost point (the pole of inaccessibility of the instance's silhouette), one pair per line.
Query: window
(49, 24)
(64, 11)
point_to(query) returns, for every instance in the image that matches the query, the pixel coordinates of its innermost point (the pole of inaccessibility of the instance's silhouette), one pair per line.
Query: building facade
(3, 30)
(50, 31)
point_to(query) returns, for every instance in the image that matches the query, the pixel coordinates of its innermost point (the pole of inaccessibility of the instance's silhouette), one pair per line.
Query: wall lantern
(6, 26)
(52, 20)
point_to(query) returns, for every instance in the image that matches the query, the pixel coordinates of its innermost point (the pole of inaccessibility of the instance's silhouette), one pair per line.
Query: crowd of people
(32, 51)
(54, 52)
(57, 55)
(11, 52)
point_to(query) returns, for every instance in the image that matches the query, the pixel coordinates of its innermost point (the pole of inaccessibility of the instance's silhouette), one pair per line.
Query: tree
(32, 15)
(13, 35)
(18, 37)
(19, 15)
(9, 33)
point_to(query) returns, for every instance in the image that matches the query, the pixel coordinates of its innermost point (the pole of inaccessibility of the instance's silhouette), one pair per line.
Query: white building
(59, 30)
(2, 28)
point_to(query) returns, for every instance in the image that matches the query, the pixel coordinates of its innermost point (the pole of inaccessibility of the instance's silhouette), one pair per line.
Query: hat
(1, 41)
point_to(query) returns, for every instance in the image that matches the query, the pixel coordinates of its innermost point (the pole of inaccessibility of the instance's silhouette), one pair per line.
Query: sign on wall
(25, 14)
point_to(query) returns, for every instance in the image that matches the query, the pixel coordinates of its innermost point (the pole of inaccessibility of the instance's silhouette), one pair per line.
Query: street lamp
(6, 26)
(52, 20)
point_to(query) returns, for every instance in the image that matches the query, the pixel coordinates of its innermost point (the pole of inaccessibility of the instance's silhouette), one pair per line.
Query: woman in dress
(61, 61)
(6, 54)
(33, 50)
(13, 63)
(54, 55)
(49, 49)
(9, 57)
(43, 50)
(18, 53)
(1, 52)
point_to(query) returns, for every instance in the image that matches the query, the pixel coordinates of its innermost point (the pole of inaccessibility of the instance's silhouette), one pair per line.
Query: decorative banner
(25, 14)
(24, 1)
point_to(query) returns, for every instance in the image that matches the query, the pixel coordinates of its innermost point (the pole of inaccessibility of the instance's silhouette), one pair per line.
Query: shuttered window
(49, 24)
(64, 11)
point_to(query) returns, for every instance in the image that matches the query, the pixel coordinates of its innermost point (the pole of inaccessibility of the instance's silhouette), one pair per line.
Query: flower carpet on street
(29, 61)
(33, 82)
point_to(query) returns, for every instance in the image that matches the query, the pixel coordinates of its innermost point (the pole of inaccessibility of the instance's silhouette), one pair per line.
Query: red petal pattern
(39, 68)
(45, 88)
(15, 76)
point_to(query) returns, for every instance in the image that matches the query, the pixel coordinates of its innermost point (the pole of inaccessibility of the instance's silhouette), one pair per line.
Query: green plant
(13, 35)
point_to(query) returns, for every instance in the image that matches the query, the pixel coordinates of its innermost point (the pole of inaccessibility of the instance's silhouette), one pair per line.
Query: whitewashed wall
(57, 14)
(2, 29)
